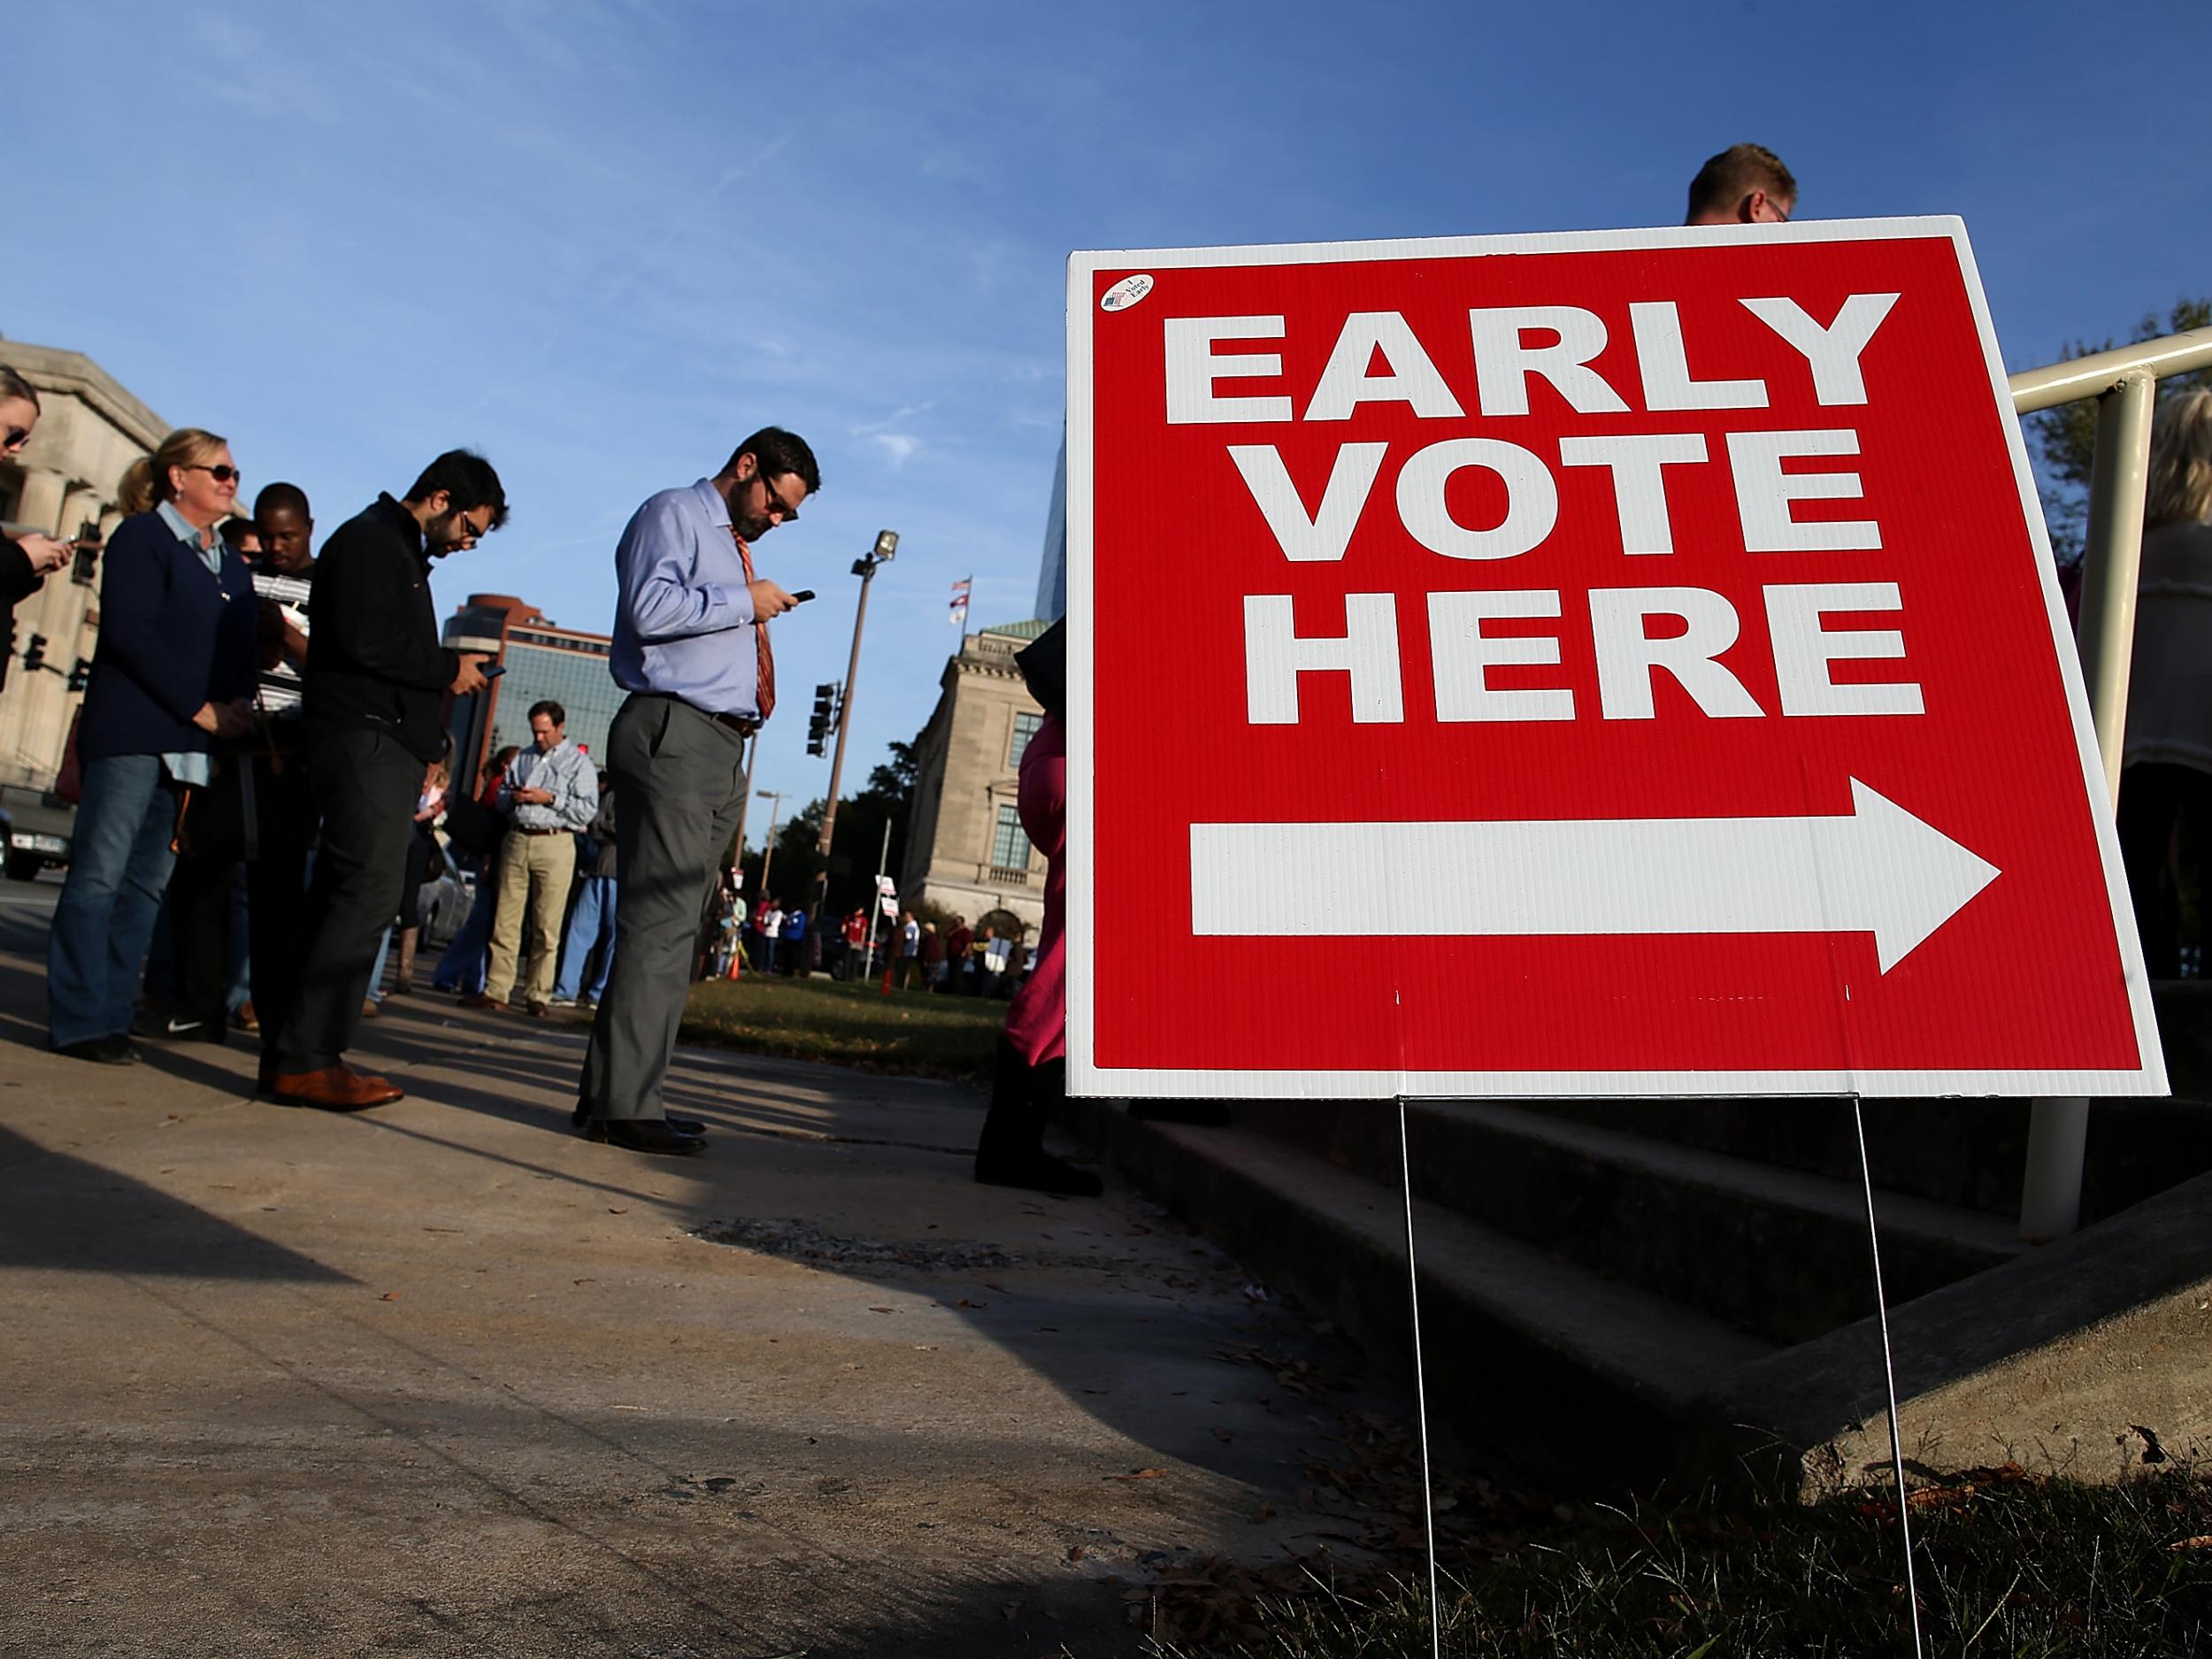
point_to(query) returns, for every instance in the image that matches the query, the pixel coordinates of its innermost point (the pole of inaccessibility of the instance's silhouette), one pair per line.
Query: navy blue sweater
(172, 637)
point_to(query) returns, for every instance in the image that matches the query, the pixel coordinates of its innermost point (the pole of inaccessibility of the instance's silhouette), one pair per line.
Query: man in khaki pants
(549, 793)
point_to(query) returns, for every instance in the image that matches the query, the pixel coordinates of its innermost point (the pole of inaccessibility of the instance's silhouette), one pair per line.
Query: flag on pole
(958, 614)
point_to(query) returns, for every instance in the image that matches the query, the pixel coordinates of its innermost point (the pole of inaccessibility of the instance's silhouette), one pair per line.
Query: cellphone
(802, 595)
(494, 671)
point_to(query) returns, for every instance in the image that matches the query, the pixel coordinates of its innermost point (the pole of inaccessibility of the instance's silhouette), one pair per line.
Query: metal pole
(875, 902)
(2058, 1129)
(844, 728)
(744, 802)
(768, 848)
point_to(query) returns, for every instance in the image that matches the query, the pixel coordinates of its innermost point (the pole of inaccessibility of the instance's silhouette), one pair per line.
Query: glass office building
(543, 660)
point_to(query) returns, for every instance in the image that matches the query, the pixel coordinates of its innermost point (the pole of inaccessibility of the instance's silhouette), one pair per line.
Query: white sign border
(1086, 1079)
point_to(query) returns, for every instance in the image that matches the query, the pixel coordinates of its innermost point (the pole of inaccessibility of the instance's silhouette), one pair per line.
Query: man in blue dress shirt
(691, 649)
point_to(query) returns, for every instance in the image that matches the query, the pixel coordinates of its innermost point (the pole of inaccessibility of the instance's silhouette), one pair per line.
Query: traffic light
(34, 653)
(80, 675)
(818, 729)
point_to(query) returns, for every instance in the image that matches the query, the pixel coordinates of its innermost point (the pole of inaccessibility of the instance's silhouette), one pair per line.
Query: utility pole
(875, 902)
(744, 803)
(887, 545)
(768, 848)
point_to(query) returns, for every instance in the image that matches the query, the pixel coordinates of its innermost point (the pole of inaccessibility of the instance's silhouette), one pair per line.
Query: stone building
(65, 484)
(966, 851)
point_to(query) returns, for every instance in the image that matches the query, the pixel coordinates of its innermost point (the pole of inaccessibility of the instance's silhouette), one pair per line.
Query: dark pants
(2165, 832)
(276, 886)
(367, 784)
(679, 775)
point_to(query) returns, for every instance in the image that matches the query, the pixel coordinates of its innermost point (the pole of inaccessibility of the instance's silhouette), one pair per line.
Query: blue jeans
(590, 927)
(119, 864)
(467, 959)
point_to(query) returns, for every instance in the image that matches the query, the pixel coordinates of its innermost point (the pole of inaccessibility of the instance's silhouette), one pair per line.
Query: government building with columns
(64, 483)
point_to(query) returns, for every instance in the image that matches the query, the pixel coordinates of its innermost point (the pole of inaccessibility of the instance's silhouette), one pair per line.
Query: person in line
(933, 958)
(2165, 814)
(771, 934)
(25, 561)
(998, 956)
(793, 947)
(424, 856)
(910, 948)
(1746, 184)
(375, 686)
(548, 795)
(855, 956)
(1031, 1076)
(959, 952)
(692, 649)
(174, 675)
(590, 941)
(190, 985)
(474, 831)
(285, 817)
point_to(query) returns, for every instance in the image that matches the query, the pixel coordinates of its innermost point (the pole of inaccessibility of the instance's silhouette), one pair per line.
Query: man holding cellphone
(376, 683)
(691, 648)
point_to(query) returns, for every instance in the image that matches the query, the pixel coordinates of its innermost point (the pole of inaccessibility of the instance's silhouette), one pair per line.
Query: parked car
(41, 829)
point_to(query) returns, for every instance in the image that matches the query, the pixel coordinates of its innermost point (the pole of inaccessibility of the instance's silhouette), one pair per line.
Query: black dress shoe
(581, 1117)
(643, 1135)
(114, 1050)
(1037, 1172)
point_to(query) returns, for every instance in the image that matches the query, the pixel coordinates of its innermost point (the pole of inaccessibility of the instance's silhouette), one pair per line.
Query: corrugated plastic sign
(1618, 663)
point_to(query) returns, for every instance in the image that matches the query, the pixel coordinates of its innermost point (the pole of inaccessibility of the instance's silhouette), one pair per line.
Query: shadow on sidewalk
(63, 1213)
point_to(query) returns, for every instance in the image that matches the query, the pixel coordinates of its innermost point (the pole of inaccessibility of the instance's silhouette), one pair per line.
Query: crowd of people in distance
(264, 789)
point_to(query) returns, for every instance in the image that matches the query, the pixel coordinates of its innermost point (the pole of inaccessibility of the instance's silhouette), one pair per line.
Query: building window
(1024, 728)
(1010, 847)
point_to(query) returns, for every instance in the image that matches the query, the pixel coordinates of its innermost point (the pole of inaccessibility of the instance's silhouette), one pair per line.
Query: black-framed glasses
(220, 474)
(776, 504)
(18, 436)
(470, 532)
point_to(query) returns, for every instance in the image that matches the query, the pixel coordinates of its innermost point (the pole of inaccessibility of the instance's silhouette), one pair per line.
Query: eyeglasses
(18, 436)
(787, 512)
(472, 533)
(220, 474)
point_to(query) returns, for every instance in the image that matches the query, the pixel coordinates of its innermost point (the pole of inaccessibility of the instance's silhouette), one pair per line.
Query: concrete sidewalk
(442, 1379)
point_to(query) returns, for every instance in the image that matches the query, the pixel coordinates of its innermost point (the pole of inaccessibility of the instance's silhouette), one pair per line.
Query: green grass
(911, 1032)
(2009, 1565)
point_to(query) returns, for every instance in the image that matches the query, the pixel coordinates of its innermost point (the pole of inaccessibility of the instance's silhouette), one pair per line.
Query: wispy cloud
(899, 445)
(249, 74)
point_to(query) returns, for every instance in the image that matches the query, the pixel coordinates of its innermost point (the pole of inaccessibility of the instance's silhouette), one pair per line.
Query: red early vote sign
(1614, 663)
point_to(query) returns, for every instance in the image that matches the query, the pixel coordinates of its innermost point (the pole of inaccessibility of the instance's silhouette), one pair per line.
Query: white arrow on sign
(1879, 871)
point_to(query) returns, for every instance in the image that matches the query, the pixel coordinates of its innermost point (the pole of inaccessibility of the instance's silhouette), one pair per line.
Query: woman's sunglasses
(220, 474)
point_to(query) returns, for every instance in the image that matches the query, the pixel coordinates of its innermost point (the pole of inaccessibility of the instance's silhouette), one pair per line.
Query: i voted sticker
(1125, 293)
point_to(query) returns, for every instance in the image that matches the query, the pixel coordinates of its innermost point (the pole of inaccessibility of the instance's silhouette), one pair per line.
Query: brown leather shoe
(476, 999)
(538, 1010)
(336, 1088)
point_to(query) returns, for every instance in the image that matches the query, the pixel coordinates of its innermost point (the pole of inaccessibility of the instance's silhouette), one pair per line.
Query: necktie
(764, 700)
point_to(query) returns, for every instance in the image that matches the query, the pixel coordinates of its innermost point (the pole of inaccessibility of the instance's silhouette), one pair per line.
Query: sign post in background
(1612, 662)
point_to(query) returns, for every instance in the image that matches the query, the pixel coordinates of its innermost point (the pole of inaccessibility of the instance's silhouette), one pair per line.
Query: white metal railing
(2124, 382)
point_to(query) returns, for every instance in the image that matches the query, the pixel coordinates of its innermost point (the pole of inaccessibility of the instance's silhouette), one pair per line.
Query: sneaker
(560, 1002)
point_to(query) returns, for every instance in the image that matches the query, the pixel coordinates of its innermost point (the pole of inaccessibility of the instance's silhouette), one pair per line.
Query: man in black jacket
(376, 684)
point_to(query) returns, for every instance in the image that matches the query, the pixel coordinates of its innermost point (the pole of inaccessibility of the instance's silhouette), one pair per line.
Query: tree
(2066, 437)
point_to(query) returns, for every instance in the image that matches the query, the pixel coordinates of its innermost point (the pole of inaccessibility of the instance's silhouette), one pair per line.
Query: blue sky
(601, 240)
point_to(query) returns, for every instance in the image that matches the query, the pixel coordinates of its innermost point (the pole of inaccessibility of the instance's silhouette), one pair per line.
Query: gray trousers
(680, 777)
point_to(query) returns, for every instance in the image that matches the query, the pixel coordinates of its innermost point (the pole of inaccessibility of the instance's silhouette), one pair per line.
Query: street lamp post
(887, 545)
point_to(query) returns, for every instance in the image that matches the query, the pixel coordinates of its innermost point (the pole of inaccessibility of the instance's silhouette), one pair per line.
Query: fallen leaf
(1075, 1552)
(585, 1281)
(389, 1295)
(1224, 1436)
(878, 1310)
(1266, 1513)
(2203, 1540)
(965, 1302)
(1141, 1474)
(618, 1210)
